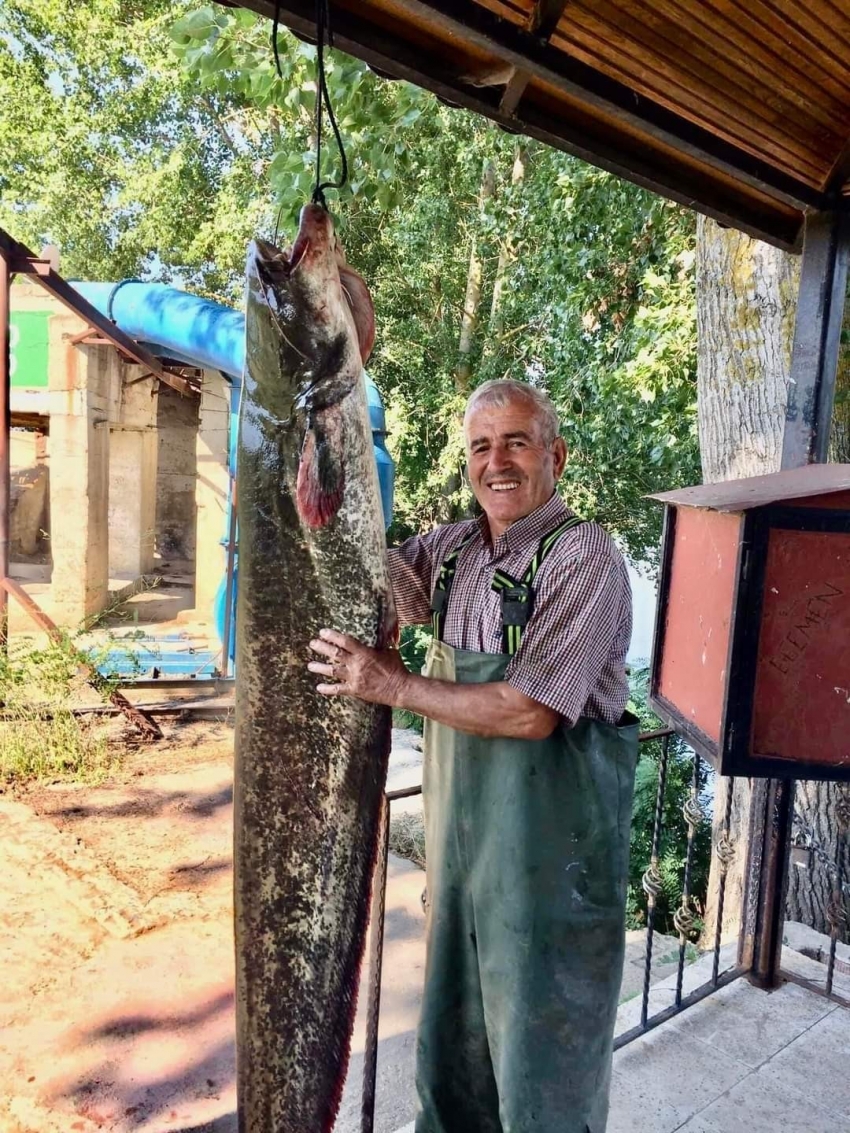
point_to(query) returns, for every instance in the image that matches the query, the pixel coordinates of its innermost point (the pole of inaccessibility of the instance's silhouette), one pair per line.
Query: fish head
(318, 307)
(310, 327)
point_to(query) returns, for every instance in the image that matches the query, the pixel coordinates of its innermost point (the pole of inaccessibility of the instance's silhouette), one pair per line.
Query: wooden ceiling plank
(664, 82)
(756, 43)
(706, 190)
(547, 16)
(755, 31)
(480, 28)
(839, 175)
(801, 165)
(682, 33)
(823, 23)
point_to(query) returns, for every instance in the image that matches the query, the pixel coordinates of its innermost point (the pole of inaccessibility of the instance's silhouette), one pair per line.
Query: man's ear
(559, 450)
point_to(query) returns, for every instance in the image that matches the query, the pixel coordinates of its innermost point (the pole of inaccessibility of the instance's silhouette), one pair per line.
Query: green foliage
(413, 646)
(155, 138)
(40, 737)
(674, 838)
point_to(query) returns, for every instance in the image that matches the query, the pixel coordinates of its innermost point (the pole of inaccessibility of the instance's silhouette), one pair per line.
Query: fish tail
(321, 470)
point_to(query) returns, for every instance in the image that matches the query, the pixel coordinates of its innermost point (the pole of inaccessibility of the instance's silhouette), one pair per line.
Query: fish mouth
(315, 235)
(280, 262)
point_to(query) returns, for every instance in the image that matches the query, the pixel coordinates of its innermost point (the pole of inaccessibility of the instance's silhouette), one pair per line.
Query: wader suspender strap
(518, 596)
(440, 597)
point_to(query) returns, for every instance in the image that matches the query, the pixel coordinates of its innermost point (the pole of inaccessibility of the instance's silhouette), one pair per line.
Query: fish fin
(361, 307)
(321, 470)
(388, 629)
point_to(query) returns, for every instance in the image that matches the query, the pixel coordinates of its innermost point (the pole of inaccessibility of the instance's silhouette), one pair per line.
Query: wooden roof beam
(24, 262)
(519, 48)
(542, 23)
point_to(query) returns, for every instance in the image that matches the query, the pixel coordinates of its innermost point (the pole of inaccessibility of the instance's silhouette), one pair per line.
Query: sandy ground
(116, 982)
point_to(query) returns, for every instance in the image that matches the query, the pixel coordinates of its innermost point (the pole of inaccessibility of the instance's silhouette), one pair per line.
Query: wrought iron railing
(685, 918)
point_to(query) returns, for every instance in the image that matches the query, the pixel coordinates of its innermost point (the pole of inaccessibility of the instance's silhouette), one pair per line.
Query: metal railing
(685, 917)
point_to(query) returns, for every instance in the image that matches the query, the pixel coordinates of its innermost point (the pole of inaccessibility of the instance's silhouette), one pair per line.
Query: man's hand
(379, 676)
(375, 675)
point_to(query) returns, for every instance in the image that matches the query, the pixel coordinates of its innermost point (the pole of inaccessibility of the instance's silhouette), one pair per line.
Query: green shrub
(40, 735)
(413, 646)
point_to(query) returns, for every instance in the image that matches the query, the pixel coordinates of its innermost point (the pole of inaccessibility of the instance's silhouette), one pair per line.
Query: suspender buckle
(516, 605)
(439, 601)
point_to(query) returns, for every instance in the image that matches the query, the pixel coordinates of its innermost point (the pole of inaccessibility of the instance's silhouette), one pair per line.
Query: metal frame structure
(16, 258)
(814, 363)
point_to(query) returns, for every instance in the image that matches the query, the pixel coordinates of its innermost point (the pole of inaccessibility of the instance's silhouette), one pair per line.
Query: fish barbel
(310, 770)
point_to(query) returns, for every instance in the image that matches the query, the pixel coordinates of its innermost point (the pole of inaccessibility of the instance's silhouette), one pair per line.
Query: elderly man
(529, 768)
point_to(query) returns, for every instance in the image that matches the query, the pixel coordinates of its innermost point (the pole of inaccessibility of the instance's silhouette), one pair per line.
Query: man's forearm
(491, 709)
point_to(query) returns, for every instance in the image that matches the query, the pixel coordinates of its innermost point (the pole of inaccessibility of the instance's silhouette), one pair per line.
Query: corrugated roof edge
(755, 491)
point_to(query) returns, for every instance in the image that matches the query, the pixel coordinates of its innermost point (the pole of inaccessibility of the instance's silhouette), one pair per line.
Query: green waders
(527, 849)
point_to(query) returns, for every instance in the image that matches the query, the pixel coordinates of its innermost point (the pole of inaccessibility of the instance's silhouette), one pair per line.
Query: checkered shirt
(573, 650)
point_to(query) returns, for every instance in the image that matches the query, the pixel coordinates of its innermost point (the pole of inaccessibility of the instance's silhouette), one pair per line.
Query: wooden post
(814, 362)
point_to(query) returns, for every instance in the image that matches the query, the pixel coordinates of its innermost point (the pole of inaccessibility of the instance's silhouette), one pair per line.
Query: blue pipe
(173, 323)
(176, 324)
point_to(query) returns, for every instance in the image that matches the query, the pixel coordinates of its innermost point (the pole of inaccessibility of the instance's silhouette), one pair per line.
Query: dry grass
(407, 838)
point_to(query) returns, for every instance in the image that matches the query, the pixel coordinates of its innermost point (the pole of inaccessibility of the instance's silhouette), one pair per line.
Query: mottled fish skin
(310, 770)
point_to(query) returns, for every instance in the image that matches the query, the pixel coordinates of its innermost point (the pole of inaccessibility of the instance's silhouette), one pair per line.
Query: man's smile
(503, 485)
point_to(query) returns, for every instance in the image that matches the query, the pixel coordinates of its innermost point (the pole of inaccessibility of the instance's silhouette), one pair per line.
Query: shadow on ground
(142, 802)
(146, 1065)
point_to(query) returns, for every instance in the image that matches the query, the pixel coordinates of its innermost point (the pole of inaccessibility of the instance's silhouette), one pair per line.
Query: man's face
(511, 469)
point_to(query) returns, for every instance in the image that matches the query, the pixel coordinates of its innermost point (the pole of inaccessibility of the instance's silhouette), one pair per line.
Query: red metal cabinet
(751, 660)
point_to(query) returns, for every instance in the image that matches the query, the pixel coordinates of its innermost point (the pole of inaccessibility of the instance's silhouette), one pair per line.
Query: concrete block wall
(80, 399)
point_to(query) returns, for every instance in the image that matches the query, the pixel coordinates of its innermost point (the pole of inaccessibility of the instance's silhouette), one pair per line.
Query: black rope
(323, 101)
(323, 98)
(275, 26)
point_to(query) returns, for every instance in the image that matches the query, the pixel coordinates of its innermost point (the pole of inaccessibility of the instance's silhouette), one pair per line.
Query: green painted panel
(29, 349)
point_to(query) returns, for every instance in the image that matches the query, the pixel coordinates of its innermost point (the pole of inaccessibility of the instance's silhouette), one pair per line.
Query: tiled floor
(741, 1061)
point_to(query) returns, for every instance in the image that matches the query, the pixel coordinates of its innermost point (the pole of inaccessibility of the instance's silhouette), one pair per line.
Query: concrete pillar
(176, 474)
(133, 455)
(212, 490)
(80, 395)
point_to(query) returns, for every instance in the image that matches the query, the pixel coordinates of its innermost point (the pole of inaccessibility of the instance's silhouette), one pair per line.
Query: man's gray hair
(502, 392)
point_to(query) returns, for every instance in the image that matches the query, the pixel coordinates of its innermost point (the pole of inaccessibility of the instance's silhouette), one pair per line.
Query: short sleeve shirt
(573, 651)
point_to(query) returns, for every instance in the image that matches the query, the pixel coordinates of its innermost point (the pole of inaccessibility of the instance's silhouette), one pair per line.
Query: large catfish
(310, 770)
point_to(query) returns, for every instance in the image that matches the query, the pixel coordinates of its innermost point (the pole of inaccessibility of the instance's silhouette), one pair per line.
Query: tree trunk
(812, 879)
(746, 299)
(451, 508)
(474, 281)
(506, 252)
